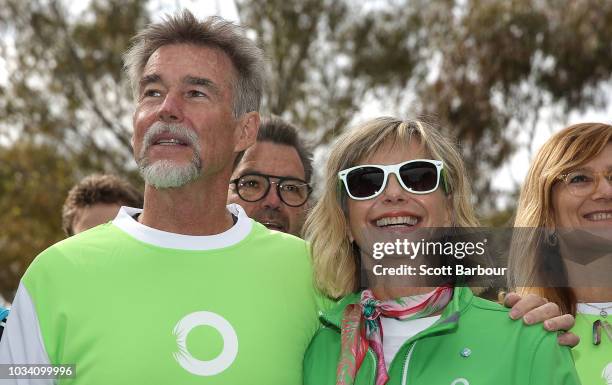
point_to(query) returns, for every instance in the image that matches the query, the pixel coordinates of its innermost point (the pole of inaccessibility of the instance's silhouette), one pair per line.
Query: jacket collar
(462, 298)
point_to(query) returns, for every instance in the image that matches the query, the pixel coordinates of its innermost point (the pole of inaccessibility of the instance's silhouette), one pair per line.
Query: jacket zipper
(407, 363)
(375, 366)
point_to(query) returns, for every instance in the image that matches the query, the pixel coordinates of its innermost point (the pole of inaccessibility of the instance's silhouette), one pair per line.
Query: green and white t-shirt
(129, 304)
(593, 362)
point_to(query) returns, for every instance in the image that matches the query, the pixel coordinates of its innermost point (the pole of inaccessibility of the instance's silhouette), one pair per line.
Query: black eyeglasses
(253, 187)
(420, 176)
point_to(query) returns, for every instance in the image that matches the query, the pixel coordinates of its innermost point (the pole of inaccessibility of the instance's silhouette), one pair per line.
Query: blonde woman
(393, 177)
(568, 191)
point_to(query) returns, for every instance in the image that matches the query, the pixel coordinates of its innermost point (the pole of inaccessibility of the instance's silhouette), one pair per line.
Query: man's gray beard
(167, 174)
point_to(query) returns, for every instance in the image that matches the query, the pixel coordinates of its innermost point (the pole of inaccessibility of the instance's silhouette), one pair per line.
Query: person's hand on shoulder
(534, 309)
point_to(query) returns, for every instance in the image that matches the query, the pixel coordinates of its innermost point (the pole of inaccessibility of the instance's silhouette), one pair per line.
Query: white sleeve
(22, 341)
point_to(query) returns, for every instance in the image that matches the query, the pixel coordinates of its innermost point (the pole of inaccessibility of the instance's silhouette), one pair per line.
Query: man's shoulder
(483, 313)
(72, 251)
(95, 238)
(285, 251)
(264, 235)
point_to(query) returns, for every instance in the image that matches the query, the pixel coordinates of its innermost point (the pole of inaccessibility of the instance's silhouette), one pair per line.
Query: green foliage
(65, 113)
(319, 71)
(503, 61)
(482, 69)
(65, 84)
(34, 180)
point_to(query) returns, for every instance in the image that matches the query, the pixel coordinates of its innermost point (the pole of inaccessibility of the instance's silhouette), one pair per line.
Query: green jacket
(473, 343)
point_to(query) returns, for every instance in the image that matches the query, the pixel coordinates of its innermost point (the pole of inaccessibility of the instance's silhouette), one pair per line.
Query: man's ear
(246, 131)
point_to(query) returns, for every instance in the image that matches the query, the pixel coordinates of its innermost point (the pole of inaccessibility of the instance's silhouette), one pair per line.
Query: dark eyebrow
(250, 171)
(148, 79)
(196, 81)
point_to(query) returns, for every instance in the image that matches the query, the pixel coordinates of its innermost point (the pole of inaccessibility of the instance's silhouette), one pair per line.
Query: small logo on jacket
(216, 365)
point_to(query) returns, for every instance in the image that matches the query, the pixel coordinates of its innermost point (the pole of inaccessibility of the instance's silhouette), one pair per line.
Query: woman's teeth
(390, 221)
(599, 216)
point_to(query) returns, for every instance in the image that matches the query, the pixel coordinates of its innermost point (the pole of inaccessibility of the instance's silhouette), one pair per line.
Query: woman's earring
(552, 238)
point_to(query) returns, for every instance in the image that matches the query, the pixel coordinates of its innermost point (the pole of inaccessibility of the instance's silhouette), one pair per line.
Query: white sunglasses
(418, 176)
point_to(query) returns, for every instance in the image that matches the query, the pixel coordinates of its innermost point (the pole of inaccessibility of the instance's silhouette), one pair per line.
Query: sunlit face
(413, 210)
(94, 215)
(592, 210)
(271, 159)
(185, 107)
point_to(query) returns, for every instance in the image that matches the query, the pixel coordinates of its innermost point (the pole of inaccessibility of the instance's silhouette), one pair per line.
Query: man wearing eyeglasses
(271, 181)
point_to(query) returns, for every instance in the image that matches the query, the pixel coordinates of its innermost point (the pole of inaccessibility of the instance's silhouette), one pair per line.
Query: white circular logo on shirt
(460, 381)
(216, 365)
(607, 374)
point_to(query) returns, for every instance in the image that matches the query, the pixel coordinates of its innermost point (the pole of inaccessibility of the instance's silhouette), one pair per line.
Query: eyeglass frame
(278, 183)
(599, 174)
(394, 169)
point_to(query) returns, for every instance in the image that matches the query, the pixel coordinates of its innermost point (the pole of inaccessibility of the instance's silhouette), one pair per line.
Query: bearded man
(186, 290)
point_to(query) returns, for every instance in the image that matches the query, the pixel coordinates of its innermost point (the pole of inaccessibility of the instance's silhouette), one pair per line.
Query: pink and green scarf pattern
(361, 328)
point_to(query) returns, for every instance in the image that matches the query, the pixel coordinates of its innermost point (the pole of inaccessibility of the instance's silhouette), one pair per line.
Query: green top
(473, 343)
(127, 307)
(593, 362)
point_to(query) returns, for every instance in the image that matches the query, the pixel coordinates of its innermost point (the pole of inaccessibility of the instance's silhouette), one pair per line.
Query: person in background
(568, 192)
(388, 177)
(272, 179)
(96, 199)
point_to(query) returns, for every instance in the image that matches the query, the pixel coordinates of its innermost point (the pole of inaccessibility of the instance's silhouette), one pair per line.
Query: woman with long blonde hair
(564, 215)
(395, 178)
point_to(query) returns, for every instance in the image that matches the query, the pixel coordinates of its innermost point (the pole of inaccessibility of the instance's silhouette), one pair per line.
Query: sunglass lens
(419, 176)
(365, 181)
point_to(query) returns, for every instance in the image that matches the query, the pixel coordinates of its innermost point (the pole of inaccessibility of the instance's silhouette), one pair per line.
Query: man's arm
(22, 341)
(534, 309)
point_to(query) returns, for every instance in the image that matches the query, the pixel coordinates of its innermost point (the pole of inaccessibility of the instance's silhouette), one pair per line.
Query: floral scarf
(361, 328)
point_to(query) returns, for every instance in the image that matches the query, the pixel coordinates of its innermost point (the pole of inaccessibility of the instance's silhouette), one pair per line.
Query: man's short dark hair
(276, 130)
(95, 189)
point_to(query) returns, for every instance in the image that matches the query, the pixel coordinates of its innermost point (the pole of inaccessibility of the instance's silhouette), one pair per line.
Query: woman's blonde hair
(565, 151)
(327, 228)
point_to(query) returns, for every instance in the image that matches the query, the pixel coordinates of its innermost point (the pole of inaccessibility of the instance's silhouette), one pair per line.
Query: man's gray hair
(214, 32)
